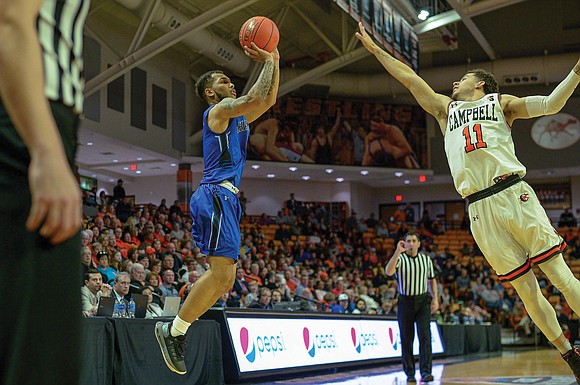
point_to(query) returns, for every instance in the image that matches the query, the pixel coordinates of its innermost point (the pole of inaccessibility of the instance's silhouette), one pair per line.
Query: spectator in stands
(223, 300)
(119, 191)
(304, 280)
(371, 222)
(153, 308)
(86, 260)
(567, 219)
(520, 319)
(167, 287)
(153, 280)
(104, 268)
(360, 307)
(240, 284)
(137, 273)
(253, 294)
(117, 261)
(409, 213)
(276, 297)
(191, 280)
(121, 287)
(382, 230)
(92, 291)
(171, 249)
(168, 263)
(264, 300)
(202, 264)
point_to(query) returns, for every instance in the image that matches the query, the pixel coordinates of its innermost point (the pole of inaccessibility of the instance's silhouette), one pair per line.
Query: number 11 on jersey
(479, 142)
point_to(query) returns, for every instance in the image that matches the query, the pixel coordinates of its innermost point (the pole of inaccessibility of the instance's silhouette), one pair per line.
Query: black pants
(39, 283)
(411, 310)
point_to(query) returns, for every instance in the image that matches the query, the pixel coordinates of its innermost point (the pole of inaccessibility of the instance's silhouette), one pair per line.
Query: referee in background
(418, 298)
(41, 99)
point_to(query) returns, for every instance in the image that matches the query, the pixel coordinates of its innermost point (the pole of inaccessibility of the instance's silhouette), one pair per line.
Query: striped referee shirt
(60, 33)
(413, 273)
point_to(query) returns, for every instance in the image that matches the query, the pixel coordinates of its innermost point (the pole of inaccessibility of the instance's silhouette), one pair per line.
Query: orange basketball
(260, 30)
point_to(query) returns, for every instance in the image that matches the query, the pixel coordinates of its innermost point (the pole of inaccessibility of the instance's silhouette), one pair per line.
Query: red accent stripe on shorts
(549, 254)
(516, 273)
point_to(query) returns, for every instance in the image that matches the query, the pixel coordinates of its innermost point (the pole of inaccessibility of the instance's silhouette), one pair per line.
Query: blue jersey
(224, 155)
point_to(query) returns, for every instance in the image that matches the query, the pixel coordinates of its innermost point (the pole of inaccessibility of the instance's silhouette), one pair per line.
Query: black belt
(494, 189)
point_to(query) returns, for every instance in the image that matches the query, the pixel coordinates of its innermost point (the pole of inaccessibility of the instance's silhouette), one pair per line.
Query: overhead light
(407, 181)
(94, 176)
(398, 174)
(126, 168)
(329, 170)
(111, 180)
(138, 172)
(115, 161)
(364, 172)
(139, 158)
(423, 14)
(292, 168)
(305, 177)
(255, 166)
(271, 176)
(90, 143)
(173, 164)
(340, 180)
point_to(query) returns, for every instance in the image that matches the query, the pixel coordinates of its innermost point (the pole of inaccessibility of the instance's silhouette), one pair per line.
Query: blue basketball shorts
(216, 215)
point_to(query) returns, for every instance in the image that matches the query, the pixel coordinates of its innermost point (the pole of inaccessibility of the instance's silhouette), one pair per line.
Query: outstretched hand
(260, 55)
(364, 37)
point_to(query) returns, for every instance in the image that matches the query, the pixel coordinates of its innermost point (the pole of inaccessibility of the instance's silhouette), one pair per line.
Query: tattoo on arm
(264, 83)
(274, 80)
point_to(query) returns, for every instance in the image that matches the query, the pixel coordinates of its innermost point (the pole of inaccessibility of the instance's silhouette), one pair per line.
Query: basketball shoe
(172, 348)
(572, 357)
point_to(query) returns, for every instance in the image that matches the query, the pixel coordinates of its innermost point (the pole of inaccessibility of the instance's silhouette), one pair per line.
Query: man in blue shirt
(215, 207)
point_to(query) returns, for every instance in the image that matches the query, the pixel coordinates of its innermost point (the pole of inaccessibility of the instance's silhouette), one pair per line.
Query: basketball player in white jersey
(508, 222)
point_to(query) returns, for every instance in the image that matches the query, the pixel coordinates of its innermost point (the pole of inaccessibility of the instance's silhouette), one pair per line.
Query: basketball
(260, 30)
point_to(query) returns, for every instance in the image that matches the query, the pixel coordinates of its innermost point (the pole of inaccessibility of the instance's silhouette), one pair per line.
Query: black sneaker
(172, 348)
(411, 379)
(427, 378)
(572, 357)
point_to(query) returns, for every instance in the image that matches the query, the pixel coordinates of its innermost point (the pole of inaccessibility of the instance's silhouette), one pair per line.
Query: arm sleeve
(548, 105)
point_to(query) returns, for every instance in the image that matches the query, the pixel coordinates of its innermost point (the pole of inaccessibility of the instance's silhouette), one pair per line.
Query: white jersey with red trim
(479, 145)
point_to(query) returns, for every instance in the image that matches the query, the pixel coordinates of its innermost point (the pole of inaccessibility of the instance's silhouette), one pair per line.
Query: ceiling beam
(316, 30)
(161, 44)
(322, 70)
(473, 28)
(143, 27)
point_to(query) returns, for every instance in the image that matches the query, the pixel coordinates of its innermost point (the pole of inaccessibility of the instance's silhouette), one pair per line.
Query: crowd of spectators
(303, 259)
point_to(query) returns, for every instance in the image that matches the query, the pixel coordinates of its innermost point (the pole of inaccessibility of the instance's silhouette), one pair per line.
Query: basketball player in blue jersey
(215, 208)
(508, 222)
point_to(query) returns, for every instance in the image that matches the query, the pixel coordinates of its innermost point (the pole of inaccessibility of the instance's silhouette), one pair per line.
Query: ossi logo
(318, 342)
(262, 345)
(245, 341)
(361, 340)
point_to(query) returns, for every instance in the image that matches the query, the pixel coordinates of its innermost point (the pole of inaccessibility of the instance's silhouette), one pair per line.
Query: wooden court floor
(533, 366)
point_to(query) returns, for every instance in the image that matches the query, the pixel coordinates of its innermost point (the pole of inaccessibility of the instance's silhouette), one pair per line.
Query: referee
(41, 99)
(417, 300)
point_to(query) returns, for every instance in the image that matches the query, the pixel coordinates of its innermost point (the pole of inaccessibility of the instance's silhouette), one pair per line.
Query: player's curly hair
(203, 82)
(491, 85)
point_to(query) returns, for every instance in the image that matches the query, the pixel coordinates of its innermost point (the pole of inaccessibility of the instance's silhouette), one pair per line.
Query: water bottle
(122, 310)
(116, 310)
(131, 308)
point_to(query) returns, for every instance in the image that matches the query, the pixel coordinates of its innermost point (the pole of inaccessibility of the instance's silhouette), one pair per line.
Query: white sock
(179, 327)
(564, 348)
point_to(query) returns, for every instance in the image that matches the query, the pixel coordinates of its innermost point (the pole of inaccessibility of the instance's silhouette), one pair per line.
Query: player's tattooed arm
(265, 81)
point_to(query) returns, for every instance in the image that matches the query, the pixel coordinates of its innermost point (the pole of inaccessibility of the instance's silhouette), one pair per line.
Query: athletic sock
(179, 327)
(565, 347)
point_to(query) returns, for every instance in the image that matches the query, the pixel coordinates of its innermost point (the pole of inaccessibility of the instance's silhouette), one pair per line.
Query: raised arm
(56, 199)
(533, 106)
(432, 102)
(260, 97)
(391, 266)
